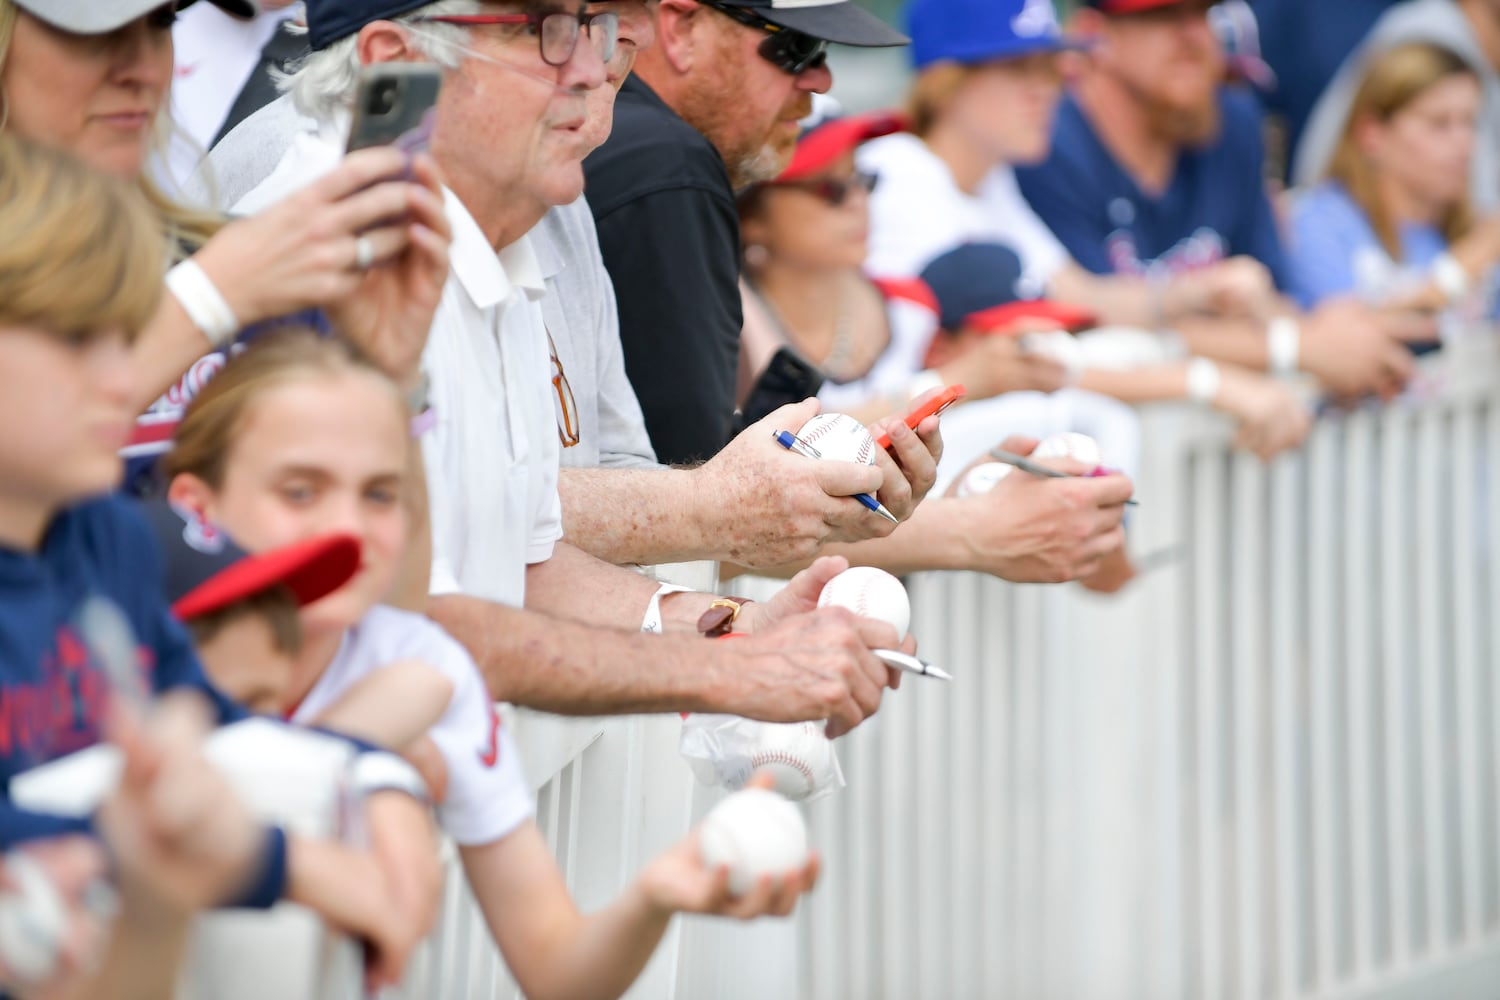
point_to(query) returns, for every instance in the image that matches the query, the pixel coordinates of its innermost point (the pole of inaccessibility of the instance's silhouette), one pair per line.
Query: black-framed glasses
(569, 430)
(557, 31)
(788, 50)
(835, 190)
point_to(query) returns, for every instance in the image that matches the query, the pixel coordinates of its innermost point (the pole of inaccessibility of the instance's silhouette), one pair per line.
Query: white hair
(324, 82)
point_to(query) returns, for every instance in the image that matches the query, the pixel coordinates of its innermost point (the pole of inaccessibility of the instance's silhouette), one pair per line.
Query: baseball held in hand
(839, 437)
(754, 832)
(1079, 447)
(983, 478)
(869, 593)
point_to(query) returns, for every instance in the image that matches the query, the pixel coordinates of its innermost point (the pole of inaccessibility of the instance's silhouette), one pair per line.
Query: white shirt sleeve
(916, 211)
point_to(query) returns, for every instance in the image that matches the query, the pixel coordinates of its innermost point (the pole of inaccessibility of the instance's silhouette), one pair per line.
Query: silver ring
(364, 253)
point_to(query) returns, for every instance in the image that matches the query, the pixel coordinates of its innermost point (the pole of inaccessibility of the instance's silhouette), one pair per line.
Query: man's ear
(386, 41)
(680, 32)
(192, 495)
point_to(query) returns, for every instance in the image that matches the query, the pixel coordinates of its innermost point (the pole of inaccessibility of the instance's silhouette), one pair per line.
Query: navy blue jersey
(53, 691)
(1215, 206)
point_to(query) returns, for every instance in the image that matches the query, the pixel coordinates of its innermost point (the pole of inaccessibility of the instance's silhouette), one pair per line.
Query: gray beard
(756, 168)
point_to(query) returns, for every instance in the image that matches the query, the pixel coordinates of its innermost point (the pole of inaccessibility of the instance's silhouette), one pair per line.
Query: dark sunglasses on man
(788, 50)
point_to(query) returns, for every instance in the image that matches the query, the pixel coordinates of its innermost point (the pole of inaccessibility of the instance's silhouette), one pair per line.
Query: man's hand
(1239, 286)
(813, 665)
(1352, 352)
(70, 870)
(1270, 417)
(777, 507)
(1034, 530)
(910, 466)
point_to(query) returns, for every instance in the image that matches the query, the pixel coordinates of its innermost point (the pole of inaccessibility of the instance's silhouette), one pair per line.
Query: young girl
(299, 437)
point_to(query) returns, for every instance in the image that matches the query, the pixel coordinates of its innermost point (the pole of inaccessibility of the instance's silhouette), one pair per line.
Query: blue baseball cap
(978, 31)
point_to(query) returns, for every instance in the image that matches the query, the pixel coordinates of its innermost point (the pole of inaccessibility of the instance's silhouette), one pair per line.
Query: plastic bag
(724, 750)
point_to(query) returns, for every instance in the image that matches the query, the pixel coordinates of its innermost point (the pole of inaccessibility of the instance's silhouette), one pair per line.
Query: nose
(143, 56)
(585, 70)
(816, 80)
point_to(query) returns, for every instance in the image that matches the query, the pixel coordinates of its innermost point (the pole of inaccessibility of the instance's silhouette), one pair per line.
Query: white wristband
(1202, 381)
(203, 302)
(1284, 345)
(1450, 277)
(652, 621)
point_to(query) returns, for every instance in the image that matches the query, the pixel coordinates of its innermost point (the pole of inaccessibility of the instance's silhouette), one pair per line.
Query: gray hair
(324, 82)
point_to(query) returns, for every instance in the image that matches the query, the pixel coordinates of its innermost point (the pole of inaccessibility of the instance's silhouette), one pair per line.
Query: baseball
(1060, 346)
(840, 437)
(797, 755)
(870, 593)
(755, 832)
(983, 478)
(1079, 447)
(33, 922)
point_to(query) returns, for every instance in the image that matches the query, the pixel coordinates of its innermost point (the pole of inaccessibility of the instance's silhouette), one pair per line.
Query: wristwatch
(720, 617)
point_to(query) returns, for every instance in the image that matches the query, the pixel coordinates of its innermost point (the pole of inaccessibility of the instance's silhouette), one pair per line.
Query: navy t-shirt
(1215, 206)
(53, 691)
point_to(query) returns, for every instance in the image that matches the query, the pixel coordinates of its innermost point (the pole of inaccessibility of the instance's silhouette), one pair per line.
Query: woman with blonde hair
(1392, 223)
(93, 80)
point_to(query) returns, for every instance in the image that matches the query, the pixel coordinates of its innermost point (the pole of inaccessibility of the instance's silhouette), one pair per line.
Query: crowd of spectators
(319, 455)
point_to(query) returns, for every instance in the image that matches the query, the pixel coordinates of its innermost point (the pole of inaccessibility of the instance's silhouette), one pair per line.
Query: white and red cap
(100, 17)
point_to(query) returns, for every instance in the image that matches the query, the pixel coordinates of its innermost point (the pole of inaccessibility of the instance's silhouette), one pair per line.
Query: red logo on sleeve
(489, 757)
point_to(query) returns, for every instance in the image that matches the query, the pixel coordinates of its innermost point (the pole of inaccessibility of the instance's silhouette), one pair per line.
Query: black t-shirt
(670, 235)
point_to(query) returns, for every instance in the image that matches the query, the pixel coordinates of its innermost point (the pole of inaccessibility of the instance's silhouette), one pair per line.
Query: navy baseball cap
(204, 571)
(840, 21)
(979, 287)
(978, 31)
(100, 17)
(330, 20)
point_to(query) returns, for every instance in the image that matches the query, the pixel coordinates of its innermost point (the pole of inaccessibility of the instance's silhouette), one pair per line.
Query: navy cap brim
(844, 23)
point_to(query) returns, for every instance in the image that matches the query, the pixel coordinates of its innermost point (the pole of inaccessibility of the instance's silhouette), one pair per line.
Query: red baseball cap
(204, 571)
(998, 319)
(825, 141)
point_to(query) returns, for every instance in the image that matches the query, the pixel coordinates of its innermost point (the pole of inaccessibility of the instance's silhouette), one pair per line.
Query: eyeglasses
(789, 51)
(836, 190)
(557, 31)
(568, 430)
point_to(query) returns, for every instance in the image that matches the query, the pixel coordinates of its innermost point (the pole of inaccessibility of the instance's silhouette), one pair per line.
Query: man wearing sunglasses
(713, 106)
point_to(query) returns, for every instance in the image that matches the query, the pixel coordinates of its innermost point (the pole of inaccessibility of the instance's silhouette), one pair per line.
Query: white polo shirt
(492, 458)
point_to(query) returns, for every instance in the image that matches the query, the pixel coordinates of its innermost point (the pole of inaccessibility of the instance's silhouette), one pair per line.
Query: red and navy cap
(826, 139)
(204, 571)
(980, 286)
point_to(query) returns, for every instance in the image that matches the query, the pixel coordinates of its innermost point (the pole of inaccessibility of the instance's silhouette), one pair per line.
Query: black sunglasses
(789, 51)
(836, 190)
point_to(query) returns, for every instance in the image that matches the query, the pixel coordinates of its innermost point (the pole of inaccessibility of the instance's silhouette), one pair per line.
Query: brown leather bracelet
(721, 615)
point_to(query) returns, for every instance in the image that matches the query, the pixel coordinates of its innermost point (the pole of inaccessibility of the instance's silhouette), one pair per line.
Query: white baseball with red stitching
(755, 832)
(1070, 444)
(839, 437)
(870, 593)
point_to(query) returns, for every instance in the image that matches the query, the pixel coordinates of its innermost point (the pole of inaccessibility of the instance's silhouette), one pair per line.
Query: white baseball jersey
(487, 793)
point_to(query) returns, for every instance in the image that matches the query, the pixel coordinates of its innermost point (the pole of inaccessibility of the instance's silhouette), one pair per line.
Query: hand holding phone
(937, 404)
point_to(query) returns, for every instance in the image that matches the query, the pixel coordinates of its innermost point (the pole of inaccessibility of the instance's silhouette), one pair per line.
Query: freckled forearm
(643, 516)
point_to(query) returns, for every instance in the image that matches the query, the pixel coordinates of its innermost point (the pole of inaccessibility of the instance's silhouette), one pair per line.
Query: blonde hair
(931, 94)
(80, 251)
(186, 228)
(1392, 81)
(216, 416)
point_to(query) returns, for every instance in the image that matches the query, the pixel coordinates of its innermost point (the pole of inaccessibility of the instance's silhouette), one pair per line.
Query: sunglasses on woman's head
(836, 190)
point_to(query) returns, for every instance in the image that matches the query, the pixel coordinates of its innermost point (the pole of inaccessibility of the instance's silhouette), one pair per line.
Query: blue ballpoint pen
(793, 443)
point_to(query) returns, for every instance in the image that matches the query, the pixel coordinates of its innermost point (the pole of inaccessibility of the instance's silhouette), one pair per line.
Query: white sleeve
(487, 793)
(914, 213)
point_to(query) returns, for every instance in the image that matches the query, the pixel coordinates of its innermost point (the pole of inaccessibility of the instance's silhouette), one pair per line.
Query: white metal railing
(1270, 769)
